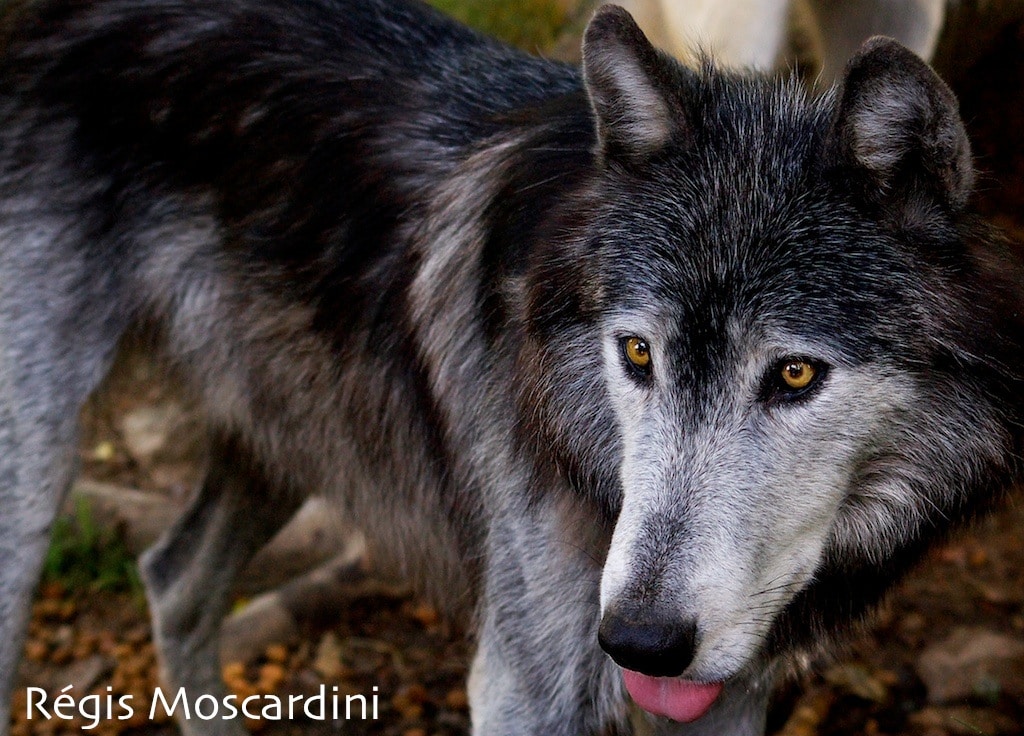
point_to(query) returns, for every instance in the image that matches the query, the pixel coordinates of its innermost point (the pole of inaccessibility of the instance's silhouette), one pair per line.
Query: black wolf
(675, 365)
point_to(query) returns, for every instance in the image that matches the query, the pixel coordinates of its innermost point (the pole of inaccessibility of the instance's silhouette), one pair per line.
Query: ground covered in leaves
(394, 655)
(944, 657)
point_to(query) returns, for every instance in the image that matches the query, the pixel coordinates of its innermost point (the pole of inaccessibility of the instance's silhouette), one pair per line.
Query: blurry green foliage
(84, 556)
(532, 25)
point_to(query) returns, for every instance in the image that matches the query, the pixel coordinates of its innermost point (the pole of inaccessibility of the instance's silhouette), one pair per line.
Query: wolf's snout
(642, 641)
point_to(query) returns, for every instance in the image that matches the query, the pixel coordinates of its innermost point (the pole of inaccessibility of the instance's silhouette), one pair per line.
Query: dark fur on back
(320, 127)
(315, 133)
(389, 254)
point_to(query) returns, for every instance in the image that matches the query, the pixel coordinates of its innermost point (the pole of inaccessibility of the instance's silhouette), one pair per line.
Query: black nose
(643, 641)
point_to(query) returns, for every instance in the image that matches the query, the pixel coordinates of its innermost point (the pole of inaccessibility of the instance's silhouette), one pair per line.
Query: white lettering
(158, 697)
(64, 701)
(29, 692)
(348, 705)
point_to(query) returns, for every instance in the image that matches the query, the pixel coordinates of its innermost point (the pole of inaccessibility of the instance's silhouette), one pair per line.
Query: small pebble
(426, 615)
(36, 650)
(277, 653)
(457, 699)
(270, 678)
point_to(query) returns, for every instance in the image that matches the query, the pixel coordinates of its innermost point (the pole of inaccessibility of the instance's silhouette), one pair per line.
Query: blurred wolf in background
(765, 34)
(661, 375)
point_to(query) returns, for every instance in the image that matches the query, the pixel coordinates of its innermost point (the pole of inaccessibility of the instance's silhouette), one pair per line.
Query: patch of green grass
(82, 556)
(988, 689)
(529, 24)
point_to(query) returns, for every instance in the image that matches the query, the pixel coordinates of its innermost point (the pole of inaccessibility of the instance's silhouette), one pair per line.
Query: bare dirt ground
(945, 656)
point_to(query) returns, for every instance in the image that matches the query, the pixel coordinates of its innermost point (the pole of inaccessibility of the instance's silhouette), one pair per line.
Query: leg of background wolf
(190, 571)
(538, 667)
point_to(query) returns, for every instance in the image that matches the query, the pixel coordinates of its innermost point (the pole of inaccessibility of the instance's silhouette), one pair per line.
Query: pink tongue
(680, 700)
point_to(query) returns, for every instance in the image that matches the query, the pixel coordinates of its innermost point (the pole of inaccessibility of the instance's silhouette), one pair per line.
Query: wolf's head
(777, 304)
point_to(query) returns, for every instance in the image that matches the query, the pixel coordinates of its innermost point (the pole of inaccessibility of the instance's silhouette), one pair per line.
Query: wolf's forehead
(741, 228)
(793, 285)
(723, 199)
(712, 244)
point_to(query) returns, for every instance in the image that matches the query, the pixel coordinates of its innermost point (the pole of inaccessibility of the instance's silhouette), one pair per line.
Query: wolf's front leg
(567, 687)
(538, 667)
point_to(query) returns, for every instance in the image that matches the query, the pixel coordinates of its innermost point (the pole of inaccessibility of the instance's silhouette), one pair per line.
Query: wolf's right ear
(630, 87)
(897, 129)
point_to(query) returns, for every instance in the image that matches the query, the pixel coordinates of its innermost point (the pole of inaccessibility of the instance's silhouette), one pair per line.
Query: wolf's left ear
(899, 128)
(631, 87)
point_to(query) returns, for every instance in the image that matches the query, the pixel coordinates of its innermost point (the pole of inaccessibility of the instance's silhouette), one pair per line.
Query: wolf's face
(748, 417)
(779, 283)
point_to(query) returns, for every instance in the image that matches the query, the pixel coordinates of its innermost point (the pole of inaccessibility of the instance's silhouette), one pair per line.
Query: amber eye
(637, 352)
(798, 374)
